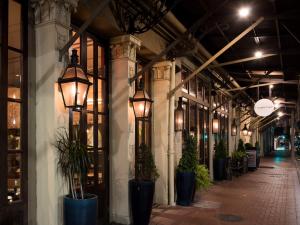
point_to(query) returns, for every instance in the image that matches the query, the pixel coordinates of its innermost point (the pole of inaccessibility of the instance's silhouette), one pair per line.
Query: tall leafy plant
(146, 168)
(220, 150)
(202, 177)
(241, 147)
(188, 161)
(73, 161)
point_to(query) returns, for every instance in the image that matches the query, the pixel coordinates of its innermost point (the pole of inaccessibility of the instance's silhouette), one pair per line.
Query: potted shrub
(80, 208)
(241, 148)
(202, 178)
(142, 187)
(185, 172)
(220, 161)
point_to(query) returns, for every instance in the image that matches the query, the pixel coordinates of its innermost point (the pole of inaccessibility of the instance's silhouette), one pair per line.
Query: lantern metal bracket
(83, 27)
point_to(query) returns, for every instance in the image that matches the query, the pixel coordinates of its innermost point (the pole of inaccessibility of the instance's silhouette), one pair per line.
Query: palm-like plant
(73, 161)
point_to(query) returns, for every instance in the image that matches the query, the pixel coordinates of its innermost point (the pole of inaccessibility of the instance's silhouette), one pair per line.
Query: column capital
(124, 46)
(58, 11)
(162, 70)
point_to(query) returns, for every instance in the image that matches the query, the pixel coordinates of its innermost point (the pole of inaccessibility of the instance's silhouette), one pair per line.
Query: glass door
(93, 120)
(13, 113)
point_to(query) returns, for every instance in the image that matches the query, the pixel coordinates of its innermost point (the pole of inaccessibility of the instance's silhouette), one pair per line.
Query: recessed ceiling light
(258, 54)
(244, 12)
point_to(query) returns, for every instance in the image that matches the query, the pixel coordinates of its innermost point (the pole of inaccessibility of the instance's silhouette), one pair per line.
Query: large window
(13, 112)
(92, 123)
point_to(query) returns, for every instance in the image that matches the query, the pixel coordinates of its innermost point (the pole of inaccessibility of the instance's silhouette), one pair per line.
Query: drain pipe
(171, 138)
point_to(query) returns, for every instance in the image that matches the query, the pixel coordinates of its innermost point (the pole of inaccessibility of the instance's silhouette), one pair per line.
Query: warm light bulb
(280, 114)
(271, 86)
(244, 12)
(258, 54)
(141, 107)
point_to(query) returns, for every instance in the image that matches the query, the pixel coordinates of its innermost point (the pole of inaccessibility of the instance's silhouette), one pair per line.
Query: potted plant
(220, 161)
(241, 148)
(202, 177)
(185, 172)
(80, 208)
(142, 187)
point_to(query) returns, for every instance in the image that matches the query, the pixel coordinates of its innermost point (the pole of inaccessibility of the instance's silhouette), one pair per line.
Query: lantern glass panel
(82, 89)
(215, 126)
(147, 110)
(139, 108)
(233, 130)
(71, 72)
(245, 132)
(179, 119)
(69, 92)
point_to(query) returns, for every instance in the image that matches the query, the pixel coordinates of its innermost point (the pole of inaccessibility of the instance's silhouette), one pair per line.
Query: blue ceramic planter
(81, 211)
(185, 185)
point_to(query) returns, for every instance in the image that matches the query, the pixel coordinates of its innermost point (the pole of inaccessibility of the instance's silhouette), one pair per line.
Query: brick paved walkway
(267, 196)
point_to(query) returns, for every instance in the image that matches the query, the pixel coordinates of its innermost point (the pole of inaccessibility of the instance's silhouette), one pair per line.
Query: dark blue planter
(220, 169)
(141, 201)
(81, 211)
(185, 184)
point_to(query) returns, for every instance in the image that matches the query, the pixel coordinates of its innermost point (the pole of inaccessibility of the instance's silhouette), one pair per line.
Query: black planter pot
(185, 183)
(220, 169)
(141, 200)
(81, 211)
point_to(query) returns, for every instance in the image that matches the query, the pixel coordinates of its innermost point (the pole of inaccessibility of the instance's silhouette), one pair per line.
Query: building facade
(32, 109)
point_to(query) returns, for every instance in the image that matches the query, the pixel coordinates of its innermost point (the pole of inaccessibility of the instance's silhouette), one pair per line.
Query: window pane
(101, 71)
(101, 96)
(15, 71)
(101, 131)
(90, 130)
(13, 122)
(91, 173)
(14, 24)
(90, 56)
(90, 98)
(14, 177)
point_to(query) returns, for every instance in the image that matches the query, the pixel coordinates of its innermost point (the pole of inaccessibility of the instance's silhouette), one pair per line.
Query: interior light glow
(271, 86)
(258, 54)
(280, 114)
(244, 12)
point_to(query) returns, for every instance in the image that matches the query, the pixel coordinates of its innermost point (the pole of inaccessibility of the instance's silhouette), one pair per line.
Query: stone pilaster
(52, 25)
(123, 50)
(161, 87)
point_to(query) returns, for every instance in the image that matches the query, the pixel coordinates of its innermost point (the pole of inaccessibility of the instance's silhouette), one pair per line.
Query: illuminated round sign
(264, 107)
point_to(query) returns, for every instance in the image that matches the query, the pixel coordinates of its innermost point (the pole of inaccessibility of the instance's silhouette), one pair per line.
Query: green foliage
(73, 161)
(188, 161)
(220, 150)
(202, 177)
(148, 169)
(248, 145)
(241, 147)
(238, 155)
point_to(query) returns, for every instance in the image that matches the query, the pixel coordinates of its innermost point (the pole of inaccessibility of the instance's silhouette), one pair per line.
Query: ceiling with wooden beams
(278, 34)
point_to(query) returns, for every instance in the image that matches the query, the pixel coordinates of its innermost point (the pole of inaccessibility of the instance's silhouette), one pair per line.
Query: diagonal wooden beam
(241, 60)
(214, 57)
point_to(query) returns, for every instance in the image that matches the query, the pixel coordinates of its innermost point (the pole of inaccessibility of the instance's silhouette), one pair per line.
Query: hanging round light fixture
(245, 130)
(179, 116)
(233, 128)
(141, 103)
(74, 84)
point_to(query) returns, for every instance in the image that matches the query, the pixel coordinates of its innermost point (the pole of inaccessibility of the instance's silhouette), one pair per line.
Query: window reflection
(14, 74)
(13, 122)
(14, 177)
(14, 24)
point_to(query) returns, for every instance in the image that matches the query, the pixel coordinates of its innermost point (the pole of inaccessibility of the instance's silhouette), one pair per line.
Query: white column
(161, 86)
(52, 25)
(123, 50)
